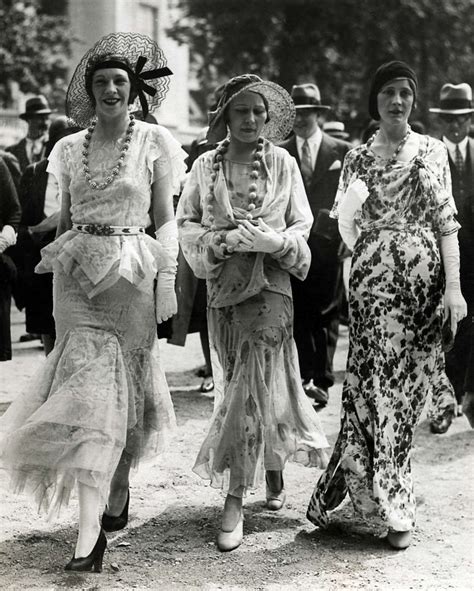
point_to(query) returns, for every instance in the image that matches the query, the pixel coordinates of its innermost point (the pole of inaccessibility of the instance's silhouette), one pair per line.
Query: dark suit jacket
(13, 166)
(465, 206)
(324, 239)
(19, 150)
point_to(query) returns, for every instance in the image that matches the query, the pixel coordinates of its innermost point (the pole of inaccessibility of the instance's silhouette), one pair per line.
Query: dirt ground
(174, 516)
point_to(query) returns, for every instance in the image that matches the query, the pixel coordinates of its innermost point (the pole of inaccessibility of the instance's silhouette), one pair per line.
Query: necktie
(306, 164)
(459, 162)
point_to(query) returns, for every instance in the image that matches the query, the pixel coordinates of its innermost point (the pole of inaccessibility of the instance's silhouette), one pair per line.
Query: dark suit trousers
(316, 313)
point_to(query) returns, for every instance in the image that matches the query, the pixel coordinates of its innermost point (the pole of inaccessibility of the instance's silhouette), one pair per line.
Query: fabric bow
(142, 86)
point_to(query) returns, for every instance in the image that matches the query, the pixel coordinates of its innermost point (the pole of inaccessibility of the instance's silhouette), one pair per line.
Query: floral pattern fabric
(102, 392)
(262, 416)
(395, 310)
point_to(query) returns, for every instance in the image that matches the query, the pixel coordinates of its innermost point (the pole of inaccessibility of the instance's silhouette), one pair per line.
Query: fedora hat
(36, 105)
(455, 99)
(336, 129)
(307, 96)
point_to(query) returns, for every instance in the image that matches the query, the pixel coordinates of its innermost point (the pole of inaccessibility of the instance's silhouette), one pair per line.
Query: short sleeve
(58, 164)
(444, 218)
(165, 156)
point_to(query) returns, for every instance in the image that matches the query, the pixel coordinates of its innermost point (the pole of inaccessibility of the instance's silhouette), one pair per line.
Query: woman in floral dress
(396, 212)
(243, 220)
(101, 402)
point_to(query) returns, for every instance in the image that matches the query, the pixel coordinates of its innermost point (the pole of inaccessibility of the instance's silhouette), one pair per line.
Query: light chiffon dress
(102, 391)
(262, 417)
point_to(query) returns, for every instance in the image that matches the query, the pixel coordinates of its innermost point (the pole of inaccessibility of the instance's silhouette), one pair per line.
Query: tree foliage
(34, 47)
(336, 43)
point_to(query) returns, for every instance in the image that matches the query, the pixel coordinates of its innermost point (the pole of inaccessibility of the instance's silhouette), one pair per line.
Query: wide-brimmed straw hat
(281, 110)
(455, 99)
(307, 96)
(36, 105)
(142, 59)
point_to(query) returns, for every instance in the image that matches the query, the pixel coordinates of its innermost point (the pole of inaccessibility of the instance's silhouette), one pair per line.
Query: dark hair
(108, 60)
(385, 73)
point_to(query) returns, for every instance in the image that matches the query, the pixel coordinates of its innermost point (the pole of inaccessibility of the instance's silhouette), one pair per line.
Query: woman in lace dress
(243, 220)
(396, 213)
(101, 402)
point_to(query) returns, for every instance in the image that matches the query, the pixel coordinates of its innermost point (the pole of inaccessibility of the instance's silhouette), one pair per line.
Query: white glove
(165, 295)
(454, 304)
(352, 200)
(9, 234)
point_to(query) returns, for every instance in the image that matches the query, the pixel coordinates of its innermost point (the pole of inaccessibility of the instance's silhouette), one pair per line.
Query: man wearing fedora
(455, 113)
(32, 148)
(317, 299)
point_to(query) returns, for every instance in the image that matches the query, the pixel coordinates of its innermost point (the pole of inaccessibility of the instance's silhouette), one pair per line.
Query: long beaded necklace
(218, 162)
(112, 174)
(393, 159)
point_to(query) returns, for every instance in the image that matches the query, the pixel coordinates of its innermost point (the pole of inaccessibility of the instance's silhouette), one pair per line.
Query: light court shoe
(230, 540)
(275, 500)
(400, 540)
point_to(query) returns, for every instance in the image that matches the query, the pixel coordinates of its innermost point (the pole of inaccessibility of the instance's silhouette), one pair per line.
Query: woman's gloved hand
(165, 296)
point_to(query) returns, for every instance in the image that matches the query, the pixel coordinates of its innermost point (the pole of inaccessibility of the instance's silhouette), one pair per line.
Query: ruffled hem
(98, 262)
(89, 404)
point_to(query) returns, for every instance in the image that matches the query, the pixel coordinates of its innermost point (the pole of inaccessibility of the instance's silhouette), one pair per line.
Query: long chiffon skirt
(100, 394)
(262, 416)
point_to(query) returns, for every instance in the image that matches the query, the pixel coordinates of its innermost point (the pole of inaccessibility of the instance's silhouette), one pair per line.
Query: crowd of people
(273, 224)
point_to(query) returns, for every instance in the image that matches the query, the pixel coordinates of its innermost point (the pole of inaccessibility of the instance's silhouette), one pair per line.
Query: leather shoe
(275, 500)
(442, 424)
(230, 540)
(317, 393)
(399, 539)
(207, 384)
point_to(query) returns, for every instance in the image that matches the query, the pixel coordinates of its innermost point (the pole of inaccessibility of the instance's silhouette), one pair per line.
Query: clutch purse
(325, 226)
(447, 335)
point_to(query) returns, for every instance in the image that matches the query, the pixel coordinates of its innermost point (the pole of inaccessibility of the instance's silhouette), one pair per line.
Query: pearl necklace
(218, 162)
(110, 176)
(393, 159)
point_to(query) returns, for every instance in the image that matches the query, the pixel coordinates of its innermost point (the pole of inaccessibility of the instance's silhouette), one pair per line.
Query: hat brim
(452, 111)
(317, 107)
(79, 106)
(34, 113)
(281, 113)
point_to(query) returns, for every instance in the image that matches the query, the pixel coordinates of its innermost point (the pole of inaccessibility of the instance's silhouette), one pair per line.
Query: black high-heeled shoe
(93, 561)
(115, 523)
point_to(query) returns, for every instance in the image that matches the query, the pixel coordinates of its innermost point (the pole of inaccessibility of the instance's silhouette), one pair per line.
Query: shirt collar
(452, 146)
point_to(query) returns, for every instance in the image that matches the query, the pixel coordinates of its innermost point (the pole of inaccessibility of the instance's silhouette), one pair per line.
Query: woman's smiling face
(246, 116)
(111, 89)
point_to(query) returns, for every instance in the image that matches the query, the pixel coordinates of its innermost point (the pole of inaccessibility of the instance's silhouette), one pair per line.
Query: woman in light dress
(243, 221)
(101, 402)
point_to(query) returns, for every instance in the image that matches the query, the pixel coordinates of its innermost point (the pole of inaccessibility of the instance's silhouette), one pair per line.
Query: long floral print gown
(395, 302)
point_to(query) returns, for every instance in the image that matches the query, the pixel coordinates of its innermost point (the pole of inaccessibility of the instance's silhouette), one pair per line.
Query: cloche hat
(36, 105)
(281, 111)
(455, 99)
(307, 96)
(138, 55)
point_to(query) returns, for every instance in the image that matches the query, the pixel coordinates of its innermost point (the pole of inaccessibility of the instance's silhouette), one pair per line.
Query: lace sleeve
(58, 164)
(165, 156)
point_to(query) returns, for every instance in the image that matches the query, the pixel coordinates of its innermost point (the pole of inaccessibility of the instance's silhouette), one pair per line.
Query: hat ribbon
(142, 86)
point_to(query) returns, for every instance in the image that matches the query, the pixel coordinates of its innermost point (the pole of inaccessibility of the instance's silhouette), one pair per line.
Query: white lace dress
(101, 391)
